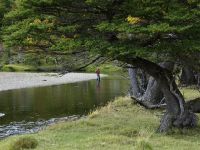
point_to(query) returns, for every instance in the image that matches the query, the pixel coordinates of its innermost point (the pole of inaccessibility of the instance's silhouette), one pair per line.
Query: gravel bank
(10, 80)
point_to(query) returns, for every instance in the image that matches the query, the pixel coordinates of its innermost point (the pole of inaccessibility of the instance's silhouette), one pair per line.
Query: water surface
(26, 109)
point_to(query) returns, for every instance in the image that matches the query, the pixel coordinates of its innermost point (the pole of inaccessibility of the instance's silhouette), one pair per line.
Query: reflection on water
(44, 103)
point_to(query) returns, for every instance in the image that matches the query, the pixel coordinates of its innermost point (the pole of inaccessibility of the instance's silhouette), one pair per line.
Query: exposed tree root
(148, 104)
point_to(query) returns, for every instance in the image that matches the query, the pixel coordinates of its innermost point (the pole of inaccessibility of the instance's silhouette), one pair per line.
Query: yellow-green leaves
(133, 20)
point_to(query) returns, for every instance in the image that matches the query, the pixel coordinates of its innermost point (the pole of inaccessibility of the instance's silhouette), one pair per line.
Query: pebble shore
(10, 80)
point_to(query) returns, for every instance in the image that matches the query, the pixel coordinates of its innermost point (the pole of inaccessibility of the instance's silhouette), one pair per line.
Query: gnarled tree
(150, 95)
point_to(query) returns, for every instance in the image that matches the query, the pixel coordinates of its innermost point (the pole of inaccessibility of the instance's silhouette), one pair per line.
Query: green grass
(24, 143)
(105, 68)
(17, 68)
(119, 125)
(28, 68)
(190, 93)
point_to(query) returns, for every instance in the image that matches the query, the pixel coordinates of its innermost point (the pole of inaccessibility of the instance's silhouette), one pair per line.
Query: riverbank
(11, 80)
(121, 124)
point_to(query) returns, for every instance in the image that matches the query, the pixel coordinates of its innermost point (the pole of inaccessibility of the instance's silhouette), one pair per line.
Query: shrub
(24, 143)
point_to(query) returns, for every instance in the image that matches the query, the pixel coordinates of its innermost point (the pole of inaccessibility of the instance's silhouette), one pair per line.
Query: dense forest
(157, 41)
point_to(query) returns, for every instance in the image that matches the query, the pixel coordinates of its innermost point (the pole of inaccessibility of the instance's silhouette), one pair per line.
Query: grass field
(120, 125)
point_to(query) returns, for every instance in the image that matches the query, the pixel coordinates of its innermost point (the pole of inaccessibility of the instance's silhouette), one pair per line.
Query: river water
(28, 110)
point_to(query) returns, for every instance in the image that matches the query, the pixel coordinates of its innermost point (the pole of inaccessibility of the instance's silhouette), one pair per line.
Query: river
(28, 110)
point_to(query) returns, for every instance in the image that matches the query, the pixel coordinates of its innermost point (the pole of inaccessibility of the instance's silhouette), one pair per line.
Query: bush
(24, 143)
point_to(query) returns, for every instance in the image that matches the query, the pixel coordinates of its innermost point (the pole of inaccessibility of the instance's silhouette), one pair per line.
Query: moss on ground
(121, 124)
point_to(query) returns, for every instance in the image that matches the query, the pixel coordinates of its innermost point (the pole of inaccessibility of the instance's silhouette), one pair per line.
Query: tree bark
(194, 105)
(197, 77)
(177, 114)
(149, 96)
(152, 93)
(187, 76)
(135, 91)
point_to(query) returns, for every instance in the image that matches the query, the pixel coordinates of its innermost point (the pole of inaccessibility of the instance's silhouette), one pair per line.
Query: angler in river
(98, 74)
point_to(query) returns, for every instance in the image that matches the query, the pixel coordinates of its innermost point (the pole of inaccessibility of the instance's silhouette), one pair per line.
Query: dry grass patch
(24, 143)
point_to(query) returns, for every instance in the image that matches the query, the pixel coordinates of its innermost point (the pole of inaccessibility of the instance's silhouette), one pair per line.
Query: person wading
(98, 74)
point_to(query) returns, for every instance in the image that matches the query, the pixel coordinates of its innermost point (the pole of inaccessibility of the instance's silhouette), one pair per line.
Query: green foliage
(111, 28)
(5, 6)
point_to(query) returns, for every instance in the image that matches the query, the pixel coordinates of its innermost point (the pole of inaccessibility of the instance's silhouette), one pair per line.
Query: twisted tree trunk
(152, 93)
(177, 114)
(151, 96)
(135, 90)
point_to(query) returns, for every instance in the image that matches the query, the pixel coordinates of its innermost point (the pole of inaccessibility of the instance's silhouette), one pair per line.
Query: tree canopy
(5, 6)
(116, 27)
